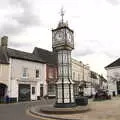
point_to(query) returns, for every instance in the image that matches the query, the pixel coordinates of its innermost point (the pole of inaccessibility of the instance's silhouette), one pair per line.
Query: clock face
(63, 38)
(59, 36)
(69, 36)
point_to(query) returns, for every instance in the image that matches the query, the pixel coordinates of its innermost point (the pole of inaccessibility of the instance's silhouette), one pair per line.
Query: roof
(93, 75)
(114, 64)
(48, 56)
(7, 53)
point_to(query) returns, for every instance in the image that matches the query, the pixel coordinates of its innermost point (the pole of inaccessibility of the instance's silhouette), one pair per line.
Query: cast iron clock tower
(63, 44)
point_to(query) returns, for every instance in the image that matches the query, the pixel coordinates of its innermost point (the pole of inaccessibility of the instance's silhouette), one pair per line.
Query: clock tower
(63, 44)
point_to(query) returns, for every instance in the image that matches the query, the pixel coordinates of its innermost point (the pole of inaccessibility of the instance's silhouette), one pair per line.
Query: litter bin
(81, 100)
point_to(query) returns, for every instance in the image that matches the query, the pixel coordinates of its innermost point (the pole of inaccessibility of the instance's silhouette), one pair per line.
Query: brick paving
(100, 110)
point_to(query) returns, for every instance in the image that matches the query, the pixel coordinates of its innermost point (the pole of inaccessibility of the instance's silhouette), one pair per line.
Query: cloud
(111, 54)
(86, 47)
(21, 16)
(83, 52)
(18, 44)
(10, 28)
(114, 2)
(27, 18)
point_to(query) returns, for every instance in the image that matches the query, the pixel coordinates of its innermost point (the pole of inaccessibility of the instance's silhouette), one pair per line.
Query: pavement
(100, 110)
(57, 113)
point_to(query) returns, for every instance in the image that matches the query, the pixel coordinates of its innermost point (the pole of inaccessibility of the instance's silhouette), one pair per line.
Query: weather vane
(62, 12)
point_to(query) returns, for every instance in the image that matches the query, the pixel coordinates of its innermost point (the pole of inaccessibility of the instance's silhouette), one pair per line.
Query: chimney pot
(4, 41)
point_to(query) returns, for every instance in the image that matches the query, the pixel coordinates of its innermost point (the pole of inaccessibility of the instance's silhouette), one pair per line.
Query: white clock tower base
(65, 95)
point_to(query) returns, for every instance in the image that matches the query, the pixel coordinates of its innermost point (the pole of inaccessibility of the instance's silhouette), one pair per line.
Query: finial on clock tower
(62, 23)
(62, 12)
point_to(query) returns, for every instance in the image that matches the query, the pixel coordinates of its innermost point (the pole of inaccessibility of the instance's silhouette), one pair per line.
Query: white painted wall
(111, 73)
(16, 77)
(89, 91)
(4, 73)
(77, 71)
(81, 71)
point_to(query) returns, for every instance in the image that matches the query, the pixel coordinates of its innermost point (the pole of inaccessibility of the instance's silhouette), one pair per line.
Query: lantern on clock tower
(63, 44)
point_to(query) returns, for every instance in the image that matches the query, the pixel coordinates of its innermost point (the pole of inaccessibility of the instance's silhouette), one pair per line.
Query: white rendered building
(113, 77)
(22, 74)
(81, 78)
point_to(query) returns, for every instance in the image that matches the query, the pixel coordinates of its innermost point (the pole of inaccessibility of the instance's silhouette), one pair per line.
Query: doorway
(118, 87)
(41, 90)
(3, 91)
(24, 92)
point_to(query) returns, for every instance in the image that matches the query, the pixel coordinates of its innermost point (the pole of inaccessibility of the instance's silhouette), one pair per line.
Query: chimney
(4, 41)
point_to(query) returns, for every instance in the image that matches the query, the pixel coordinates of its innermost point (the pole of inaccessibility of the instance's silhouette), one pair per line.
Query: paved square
(100, 110)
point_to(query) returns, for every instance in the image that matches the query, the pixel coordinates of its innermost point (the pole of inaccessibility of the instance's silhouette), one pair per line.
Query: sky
(96, 25)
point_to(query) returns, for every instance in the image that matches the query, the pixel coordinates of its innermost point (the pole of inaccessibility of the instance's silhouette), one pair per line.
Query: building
(51, 69)
(80, 76)
(113, 77)
(28, 76)
(103, 83)
(22, 74)
(95, 80)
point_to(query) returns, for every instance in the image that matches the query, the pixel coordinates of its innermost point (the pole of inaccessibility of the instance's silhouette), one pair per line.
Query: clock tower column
(63, 44)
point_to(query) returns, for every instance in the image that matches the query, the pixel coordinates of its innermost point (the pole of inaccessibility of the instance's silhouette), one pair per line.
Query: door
(24, 92)
(41, 90)
(118, 87)
(3, 90)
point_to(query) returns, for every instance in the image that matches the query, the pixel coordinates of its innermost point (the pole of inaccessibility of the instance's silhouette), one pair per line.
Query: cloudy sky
(96, 25)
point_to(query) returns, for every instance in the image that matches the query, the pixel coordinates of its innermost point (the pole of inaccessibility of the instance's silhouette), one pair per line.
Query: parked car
(102, 95)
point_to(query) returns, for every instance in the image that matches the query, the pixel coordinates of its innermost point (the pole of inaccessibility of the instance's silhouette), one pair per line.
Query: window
(78, 77)
(73, 75)
(51, 89)
(25, 70)
(50, 73)
(37, 73)
(33, 90)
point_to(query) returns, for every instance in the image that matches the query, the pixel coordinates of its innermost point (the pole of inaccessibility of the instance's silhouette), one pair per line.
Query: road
(17, 111)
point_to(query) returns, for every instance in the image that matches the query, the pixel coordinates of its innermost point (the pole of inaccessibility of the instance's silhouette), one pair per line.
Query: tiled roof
(114, 64)
(7, 53)
(48, 56)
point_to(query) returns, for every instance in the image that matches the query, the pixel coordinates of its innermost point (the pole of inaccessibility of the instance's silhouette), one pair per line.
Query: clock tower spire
(63, 44)
(62, 13)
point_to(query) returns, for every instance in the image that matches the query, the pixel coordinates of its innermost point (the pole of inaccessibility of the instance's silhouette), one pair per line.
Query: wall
(111, 74)
(51, 79)
(77, 70)
(80, 71)
(16, 77)
(4, 73)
